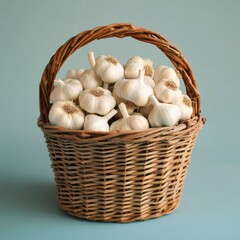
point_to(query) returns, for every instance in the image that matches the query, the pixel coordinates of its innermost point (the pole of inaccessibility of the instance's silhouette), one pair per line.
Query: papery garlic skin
(66, 114)
(74, 74)
(145, 110)
(167, 91)
(98, 123)
(109, 69)
(165, 73)
(97, 100)
(136, 63)
(149, 81)
(68, 89)
(129, 105)
(163, 114)
(89, 78)
(185, 107)
(129, 122)
(134, 90)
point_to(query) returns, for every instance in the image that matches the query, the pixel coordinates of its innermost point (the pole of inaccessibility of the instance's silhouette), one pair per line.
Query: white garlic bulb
(163, 114)
(66, 114)
(185, 107)
(65, 90)
(165, 73)
(98, 123)
(74, 74)
(136, 63)
(89, 78)
(97, 100)
(129, 122)
(168, 92)
(134, 90)
(109, 69)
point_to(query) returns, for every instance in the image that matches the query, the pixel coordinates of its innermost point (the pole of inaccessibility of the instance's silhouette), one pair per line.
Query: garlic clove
(165, 73)
(66, 114)
(68, 89)
(163, 114)
(185, 107)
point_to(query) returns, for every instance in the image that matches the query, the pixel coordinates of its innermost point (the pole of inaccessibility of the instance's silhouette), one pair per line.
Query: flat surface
(207, 33)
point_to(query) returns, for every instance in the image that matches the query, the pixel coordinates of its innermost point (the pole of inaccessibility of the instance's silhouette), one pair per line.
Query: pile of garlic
(134, 96)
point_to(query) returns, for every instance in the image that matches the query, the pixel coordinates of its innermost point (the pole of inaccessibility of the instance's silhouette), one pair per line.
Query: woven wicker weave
(120, 176)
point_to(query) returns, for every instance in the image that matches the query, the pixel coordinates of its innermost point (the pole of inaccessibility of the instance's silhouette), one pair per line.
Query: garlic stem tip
(123, 109)
(141, 74)
(91, 59)
(110, 114)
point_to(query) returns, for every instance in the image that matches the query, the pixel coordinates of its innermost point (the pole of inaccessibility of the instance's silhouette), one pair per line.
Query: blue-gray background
(208, 34)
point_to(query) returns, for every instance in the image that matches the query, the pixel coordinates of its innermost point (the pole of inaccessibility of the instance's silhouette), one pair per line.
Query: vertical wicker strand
(124, 168)
(144, 201)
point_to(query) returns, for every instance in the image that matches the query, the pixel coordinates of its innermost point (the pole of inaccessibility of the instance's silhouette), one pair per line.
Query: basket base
(124, 219)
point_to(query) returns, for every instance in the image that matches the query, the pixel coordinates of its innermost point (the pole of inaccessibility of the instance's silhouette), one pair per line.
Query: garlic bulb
(129, 122)
(65, 90)
(162, 73)
(163, 114)
(97, 100)
(136, 63)
(168, 92)
(89, 78)
(134, 90)
(66, 114)
(98, 123)
(109, 69)
(74, 74)
(185, 107)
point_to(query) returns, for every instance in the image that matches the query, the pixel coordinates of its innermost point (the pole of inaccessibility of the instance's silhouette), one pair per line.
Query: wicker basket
(120, 176)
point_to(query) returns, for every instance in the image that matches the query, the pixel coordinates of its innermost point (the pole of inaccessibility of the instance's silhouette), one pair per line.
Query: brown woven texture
(120, 176)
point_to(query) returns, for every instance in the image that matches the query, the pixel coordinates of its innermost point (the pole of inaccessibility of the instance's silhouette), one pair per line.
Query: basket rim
(128, 135)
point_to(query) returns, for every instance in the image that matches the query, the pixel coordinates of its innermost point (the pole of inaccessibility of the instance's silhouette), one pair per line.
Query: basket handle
(119, 30)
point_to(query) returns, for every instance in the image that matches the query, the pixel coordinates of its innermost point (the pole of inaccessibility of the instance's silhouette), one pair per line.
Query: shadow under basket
(120, 176)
